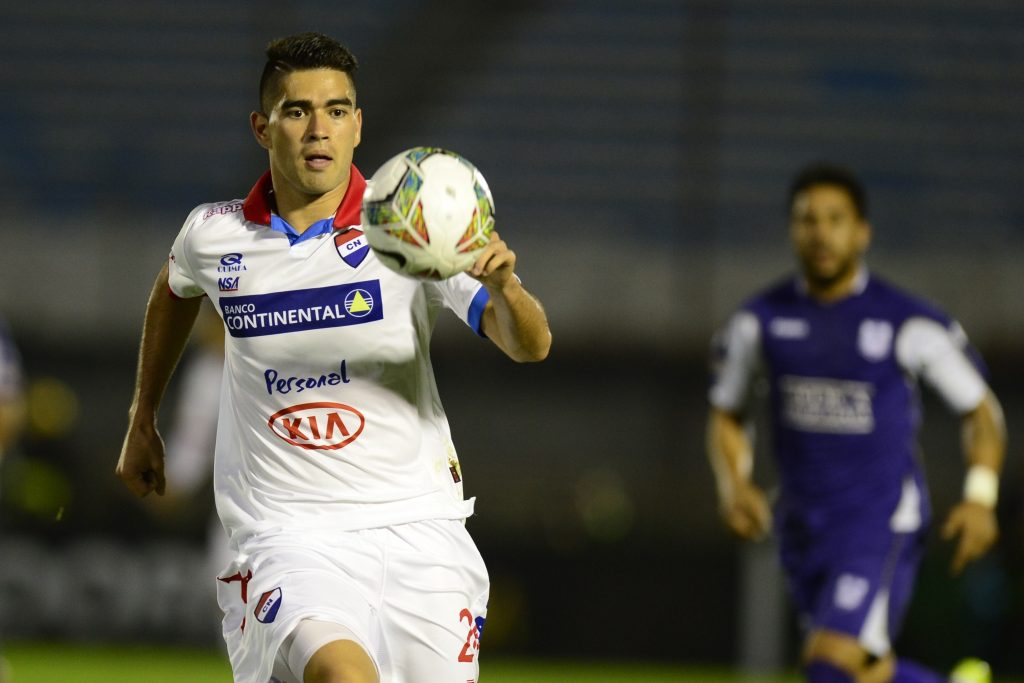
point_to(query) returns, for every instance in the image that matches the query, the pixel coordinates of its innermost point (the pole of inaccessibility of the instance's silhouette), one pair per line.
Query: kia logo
(318, 426)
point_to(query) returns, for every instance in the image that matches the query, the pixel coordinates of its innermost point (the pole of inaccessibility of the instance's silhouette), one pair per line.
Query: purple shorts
(852, 579)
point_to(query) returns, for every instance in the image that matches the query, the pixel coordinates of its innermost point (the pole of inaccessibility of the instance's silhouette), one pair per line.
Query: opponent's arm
(974, 518)
(165, 332)
(513, 319)
(742, 504)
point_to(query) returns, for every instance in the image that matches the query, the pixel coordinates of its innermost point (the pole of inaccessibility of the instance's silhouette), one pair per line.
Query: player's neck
(302, 210)
(846, 284)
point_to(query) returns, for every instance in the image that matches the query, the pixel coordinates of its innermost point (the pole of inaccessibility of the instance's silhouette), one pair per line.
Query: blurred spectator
(12, 413)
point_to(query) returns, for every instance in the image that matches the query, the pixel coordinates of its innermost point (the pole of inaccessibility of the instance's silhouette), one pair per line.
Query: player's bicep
(735, 362)
(932, 351)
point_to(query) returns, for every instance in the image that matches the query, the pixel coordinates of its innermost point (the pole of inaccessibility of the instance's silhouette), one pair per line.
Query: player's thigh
(436, 595)
(284, 586)
(323, 652)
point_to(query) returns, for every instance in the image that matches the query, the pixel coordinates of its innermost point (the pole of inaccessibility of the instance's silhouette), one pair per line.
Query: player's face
(311, 132)
(829, 236)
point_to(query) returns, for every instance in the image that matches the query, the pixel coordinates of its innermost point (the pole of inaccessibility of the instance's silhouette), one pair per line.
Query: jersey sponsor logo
(286, 385)
(817, 404)
(231, 263)
(850, 591)
(322, 426)
(256, 315)
(228, 284)
(352, 246)
(268, 605)
(223, 210)
(874, 339)
(789, 328)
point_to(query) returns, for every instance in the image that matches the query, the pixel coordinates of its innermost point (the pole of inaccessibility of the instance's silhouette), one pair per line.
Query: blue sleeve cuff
(475, 317)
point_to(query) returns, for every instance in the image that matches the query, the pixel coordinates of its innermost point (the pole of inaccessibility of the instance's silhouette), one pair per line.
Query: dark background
(639, 154)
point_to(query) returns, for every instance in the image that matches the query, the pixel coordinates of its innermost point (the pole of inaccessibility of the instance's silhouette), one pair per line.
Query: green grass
(42, 663)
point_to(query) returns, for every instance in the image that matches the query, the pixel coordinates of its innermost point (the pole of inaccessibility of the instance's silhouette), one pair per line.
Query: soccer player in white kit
(335, 474)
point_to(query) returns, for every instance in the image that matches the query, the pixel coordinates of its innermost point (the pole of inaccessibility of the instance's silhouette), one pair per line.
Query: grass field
(38, 663)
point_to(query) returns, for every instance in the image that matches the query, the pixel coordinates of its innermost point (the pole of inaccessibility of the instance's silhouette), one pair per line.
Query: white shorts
(413, 595)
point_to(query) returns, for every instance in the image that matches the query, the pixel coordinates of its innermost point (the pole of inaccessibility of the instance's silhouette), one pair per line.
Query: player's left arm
(973, 520)
(937, 351)
(513, 318)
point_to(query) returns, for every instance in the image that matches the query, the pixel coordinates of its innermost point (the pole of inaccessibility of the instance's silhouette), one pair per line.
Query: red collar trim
(257, 206)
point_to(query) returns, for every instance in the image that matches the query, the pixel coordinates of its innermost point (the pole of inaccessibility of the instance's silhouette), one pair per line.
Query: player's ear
(358, 113)
(258, 122)
(864, 236)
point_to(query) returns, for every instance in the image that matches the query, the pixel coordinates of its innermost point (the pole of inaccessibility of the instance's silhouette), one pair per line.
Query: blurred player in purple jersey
(841, 351)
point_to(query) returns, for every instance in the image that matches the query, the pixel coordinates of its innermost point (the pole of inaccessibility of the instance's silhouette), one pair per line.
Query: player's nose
(317, 129)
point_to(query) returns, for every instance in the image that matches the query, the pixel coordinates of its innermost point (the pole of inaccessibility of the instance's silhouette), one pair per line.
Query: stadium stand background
(639, 153)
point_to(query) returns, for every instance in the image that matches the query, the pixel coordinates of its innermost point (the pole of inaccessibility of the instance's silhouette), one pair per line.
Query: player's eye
(338, 113)
(293, 114)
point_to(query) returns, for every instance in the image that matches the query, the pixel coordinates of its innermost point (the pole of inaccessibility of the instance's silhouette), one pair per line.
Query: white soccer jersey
(329, 413)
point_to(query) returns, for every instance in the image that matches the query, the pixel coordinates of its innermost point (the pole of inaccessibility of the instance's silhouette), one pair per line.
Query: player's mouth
(318, 161)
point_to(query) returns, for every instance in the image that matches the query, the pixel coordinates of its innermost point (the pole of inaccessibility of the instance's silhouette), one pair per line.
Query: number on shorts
(472, 645)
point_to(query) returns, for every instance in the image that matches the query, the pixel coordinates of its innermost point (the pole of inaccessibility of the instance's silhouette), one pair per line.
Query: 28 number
(472, 645)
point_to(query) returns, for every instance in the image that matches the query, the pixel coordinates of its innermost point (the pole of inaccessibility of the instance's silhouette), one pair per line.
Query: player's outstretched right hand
(746, 512)
(141, 465)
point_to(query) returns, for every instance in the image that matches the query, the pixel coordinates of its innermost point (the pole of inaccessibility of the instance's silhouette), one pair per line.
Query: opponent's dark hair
(823, 173)
(301, 52)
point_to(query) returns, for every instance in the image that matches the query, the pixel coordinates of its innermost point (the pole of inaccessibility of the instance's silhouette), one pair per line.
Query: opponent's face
(311, 132)
(829, 236)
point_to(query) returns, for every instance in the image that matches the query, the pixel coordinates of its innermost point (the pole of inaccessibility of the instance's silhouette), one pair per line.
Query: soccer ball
(428, 213)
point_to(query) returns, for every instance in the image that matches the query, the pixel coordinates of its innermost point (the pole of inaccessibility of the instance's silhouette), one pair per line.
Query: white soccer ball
(428, 213)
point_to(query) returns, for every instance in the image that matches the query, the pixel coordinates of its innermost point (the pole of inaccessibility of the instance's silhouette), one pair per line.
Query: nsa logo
(268, 605)
(228, 284)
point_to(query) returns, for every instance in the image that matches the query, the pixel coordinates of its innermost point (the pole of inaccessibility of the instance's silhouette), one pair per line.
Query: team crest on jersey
(352, 246)
(874, 339)
(850, 591)
(268, 605)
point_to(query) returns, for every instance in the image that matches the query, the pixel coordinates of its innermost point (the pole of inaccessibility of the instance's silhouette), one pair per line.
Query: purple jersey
(844, 401)
(842, 381)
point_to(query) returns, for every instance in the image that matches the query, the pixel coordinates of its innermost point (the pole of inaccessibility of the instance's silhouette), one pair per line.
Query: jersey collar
(860, 283)
(258, 207)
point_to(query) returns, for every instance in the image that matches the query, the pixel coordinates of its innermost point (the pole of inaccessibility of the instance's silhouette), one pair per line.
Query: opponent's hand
(141, 465)
(495, 265)
(746, 512)
(978, 529)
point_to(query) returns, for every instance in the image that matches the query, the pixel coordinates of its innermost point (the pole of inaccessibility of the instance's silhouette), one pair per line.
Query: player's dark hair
(302, 52)
(821, 173)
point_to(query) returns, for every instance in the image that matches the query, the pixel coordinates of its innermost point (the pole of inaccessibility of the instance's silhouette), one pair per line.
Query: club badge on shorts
(268, 605)
(352, 246)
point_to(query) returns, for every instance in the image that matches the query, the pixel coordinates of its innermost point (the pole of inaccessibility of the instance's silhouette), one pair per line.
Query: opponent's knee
(825, 672)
